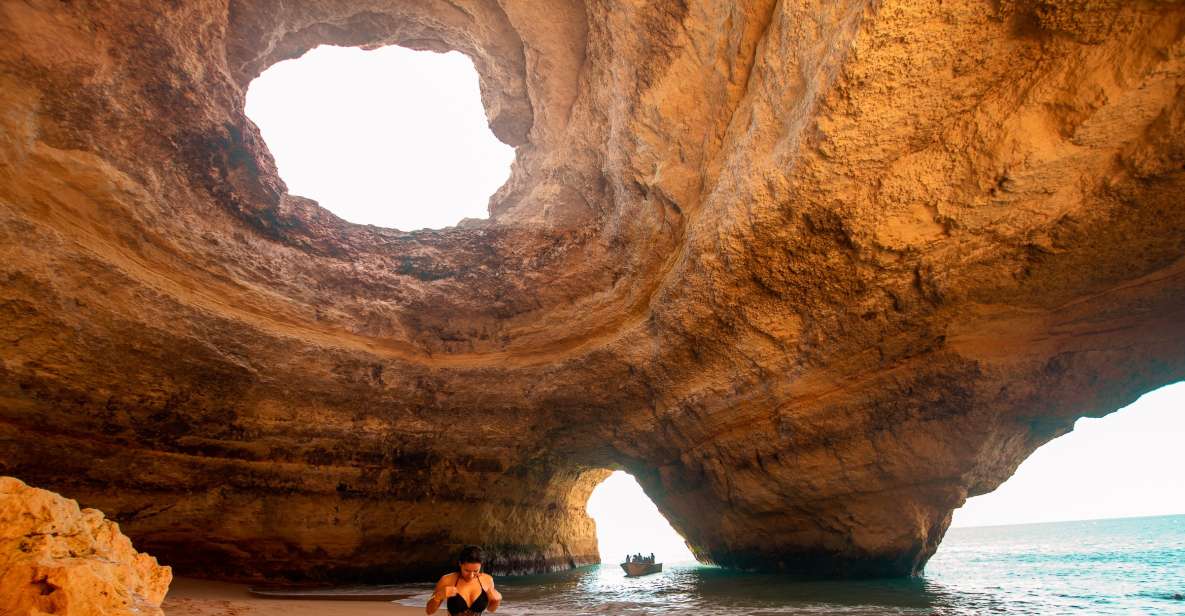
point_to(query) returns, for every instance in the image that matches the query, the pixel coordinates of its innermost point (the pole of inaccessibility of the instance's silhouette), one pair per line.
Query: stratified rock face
(58, 559)
(813, 271)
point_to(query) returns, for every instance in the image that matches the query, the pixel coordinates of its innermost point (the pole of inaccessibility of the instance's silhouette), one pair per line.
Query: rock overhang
(813, 274)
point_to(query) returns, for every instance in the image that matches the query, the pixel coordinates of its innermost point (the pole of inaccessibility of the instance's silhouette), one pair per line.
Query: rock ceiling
(813, 271)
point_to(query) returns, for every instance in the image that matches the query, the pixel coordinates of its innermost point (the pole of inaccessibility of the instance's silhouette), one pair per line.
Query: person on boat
(467, 591)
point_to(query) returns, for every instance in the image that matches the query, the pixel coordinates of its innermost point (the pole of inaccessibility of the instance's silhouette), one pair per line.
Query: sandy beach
(190, 597)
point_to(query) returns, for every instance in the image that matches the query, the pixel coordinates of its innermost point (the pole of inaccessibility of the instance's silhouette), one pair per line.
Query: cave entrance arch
(1125, 464)
(628, 522)
(391, 136)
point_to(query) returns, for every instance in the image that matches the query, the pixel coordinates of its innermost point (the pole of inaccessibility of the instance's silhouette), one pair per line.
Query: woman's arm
(494, 595)
(444, 590)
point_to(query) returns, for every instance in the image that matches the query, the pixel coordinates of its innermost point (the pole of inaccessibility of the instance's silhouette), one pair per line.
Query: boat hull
(636, 569)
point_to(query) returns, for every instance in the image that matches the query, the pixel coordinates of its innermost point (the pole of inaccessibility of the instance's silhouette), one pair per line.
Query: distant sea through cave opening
(391, 137)
(1125, 464)
(628, 522)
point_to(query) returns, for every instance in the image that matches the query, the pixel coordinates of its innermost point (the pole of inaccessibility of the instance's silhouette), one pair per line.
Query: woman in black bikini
(468, 591)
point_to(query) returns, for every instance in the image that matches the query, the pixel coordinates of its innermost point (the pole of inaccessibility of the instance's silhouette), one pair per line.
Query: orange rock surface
(814, 272)
(58, 559)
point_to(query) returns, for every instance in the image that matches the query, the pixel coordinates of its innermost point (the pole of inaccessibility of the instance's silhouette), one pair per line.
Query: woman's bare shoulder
(447, 578)
(485, 577)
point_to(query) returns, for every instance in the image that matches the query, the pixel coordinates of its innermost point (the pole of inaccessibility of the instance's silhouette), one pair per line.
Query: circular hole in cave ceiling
(390, 137)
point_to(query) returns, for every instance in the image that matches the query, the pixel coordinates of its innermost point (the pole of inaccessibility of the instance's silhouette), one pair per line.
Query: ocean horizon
(1038, 523)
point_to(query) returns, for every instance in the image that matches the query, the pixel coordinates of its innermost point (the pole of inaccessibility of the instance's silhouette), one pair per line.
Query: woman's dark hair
(471, 554)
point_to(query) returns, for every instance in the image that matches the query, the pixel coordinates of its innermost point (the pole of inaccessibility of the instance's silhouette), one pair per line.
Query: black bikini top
(456, 603)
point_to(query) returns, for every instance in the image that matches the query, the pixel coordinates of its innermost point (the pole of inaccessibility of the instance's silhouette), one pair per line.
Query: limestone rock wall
(814, 272)
(58, 559)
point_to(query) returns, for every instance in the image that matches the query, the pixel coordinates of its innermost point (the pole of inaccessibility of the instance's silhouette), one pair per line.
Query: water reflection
(715, 591)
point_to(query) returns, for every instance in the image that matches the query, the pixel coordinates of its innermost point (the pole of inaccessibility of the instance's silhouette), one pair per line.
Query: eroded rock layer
(814, 272)
(58, 559)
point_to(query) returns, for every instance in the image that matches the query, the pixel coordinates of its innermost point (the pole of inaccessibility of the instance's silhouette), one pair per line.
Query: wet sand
(189, 597)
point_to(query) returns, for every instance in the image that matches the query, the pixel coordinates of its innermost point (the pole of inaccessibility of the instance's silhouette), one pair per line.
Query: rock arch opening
(391, 137)
(628, 522)
(1125, 464)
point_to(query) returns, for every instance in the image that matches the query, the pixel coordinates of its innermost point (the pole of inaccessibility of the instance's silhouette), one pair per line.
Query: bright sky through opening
(390, 137)
(629, 523)
(1129, 463)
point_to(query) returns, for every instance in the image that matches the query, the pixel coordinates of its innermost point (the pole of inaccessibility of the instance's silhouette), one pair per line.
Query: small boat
(637, 569)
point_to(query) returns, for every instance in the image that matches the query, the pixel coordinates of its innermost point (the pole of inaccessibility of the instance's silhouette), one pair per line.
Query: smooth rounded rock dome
(812, 273)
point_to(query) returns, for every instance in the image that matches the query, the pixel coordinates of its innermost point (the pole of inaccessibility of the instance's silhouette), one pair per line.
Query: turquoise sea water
(1123, 566)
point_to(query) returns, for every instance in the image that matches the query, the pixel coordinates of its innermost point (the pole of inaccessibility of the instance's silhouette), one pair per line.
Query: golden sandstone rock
(813, 271)
(58, 559)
